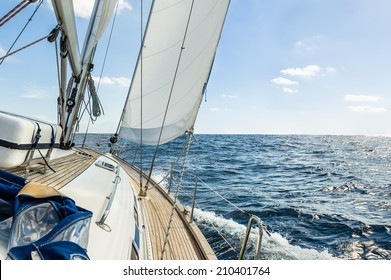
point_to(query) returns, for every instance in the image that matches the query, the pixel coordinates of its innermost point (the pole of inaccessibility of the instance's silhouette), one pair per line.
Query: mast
(70, 50)
(66, 19)
(81, 64)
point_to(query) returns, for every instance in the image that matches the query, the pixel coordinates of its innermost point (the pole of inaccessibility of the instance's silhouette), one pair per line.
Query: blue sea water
(321, 197)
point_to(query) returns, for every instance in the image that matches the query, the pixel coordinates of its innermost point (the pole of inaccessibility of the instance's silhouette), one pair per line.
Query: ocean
(320, 197)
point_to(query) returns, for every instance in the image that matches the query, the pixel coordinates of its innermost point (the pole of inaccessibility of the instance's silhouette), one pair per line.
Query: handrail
(101, 222)
(259, 240)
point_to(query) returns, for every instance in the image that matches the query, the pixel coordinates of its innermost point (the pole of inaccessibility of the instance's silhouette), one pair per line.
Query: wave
(274, 247)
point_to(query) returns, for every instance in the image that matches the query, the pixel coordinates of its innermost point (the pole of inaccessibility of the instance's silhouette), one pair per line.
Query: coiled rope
(96, 105)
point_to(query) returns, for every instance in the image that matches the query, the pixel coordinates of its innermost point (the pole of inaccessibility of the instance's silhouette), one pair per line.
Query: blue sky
(282, 67)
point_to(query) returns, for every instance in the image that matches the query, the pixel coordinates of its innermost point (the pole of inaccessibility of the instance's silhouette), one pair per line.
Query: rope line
(141, 98)
(216, 229)
(19, 7)
(25, 47)
(225, 199)
(247, 213)
(108, 46)
(176, 196)
(59, 100)
(171, 91)
(175, 164)
(21, 32)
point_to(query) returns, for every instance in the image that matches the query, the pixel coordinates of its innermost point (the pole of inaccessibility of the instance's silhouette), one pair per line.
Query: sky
(282, 67)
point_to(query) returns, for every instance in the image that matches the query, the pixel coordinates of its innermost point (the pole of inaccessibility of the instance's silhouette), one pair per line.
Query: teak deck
(185, 241)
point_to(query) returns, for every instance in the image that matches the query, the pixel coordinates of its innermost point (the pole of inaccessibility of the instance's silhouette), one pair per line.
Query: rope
(19, 7)
(108, 45)
(25, 47)
(170, 95)
(96, 105)
(244, 212)
(176, 196)
(217, 230)
(59, 100)
(173, 165)
(141, 98)
(21, 32)
(225, 199)
(97, 108)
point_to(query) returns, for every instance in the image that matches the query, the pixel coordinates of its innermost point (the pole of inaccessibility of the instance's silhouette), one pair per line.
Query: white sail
(98, 24)
(177, 55)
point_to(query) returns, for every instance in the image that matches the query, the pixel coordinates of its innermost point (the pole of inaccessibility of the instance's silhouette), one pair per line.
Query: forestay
(172, 69)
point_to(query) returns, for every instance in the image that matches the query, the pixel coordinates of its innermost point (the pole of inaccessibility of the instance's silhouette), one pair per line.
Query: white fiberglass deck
(90, 186)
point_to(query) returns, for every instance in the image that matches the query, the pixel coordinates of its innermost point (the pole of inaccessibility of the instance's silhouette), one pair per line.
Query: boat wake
(226, 237)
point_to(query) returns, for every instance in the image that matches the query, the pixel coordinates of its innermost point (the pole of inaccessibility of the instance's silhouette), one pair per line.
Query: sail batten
(178, 51)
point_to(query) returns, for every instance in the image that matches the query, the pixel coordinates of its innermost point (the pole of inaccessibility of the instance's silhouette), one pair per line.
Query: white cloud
(308, 71)
(2, 51)
(214, 109)
(35, 94)
(366, 109)
(84, 8)
(289, 90)
(124, 5)
(309, 44)
(228, 96)
(329, 69)
(304, 46)
(121, 81)
(361, 98)
(284, 82)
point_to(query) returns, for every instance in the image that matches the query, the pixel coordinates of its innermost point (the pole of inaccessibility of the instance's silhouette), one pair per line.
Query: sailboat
(59, 201)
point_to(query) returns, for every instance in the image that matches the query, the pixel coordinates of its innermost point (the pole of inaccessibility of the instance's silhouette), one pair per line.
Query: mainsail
(172, 69)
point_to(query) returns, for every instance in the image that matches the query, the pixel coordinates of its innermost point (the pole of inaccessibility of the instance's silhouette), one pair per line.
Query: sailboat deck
(66, 169)
(185, 241)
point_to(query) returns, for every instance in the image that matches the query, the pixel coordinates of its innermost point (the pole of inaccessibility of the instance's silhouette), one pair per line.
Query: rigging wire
(188, 140)
(21, 32)
(218, 231)
(173, 165)
(97, 107)
(276, 243)
(108, 46)
(141, 100)
(170, 95)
